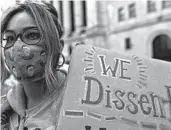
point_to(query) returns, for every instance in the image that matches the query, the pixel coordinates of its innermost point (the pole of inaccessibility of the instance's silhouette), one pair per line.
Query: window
(17, 1)
(121, 15)
(132, 11)
(162, 48)
(166, 4)
(51, 2)
(127, 43)
(72, 18)
(151, 6)
(84, 13)
(61, 13)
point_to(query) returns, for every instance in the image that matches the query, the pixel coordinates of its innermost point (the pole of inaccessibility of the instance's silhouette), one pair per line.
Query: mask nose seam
(21, 42)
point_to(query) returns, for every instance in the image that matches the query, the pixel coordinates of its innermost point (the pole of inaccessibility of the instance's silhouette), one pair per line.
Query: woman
(32, 46)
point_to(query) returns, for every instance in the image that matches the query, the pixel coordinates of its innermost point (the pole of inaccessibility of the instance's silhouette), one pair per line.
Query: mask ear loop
(63, 61)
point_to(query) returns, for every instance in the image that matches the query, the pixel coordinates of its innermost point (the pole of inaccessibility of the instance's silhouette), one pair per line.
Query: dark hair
(46, 18)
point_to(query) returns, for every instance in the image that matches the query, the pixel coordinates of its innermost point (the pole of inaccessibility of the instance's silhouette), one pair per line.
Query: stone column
(78, 15)
(103, 22)
(102, 18)
(66, 16)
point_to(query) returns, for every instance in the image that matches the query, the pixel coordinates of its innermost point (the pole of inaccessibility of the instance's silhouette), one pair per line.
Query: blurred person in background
(7, 80)
(4, 75)
(32, 46)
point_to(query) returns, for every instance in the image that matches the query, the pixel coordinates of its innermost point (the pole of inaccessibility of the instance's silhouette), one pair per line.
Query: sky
(6, 3)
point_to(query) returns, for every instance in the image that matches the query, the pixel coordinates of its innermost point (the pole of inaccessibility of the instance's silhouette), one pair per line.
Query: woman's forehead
(21, 21)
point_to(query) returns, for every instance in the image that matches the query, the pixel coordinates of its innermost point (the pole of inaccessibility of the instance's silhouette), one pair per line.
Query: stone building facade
(140, 27)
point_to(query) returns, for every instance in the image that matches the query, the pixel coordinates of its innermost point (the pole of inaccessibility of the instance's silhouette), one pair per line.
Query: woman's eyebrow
(8, 30)
(26, 28)
(30, 27)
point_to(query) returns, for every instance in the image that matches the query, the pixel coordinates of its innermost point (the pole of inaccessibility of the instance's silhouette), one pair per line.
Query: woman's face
(24, 48)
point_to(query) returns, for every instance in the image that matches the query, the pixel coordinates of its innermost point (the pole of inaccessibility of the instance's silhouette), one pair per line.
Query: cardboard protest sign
(111, 91)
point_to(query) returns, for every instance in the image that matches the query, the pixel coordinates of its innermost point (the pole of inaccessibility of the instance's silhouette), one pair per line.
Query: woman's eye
(10, 38)
(33, 36)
